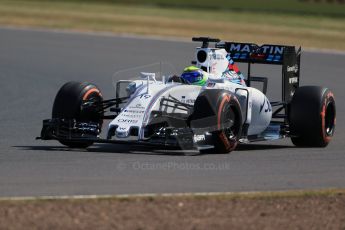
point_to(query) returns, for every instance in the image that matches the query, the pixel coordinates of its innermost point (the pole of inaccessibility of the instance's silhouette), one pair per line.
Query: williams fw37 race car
(210, 107)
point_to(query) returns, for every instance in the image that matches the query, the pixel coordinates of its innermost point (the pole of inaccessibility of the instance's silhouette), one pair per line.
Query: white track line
(123, 196)
(145, 37)
(147, 195)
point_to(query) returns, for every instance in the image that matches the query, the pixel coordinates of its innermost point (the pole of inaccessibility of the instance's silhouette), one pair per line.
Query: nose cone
(122, 132)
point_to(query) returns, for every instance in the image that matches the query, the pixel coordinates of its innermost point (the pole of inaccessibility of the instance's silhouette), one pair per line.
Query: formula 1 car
(212, 118)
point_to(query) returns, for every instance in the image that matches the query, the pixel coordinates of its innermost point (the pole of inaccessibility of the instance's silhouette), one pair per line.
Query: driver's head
(194, 75)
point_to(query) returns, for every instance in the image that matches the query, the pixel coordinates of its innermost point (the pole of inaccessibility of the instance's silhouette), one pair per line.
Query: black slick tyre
(312, 116)
(220, 111)
(67, 105)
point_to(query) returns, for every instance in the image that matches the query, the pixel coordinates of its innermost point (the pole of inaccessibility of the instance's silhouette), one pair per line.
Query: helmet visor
(192, 77)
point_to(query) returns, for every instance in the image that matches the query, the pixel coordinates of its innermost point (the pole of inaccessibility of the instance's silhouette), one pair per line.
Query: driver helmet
(194, 75)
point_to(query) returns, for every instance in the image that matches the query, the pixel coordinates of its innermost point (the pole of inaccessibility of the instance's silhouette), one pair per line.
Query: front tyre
(68, 105)
(312, 116)
(220, 112)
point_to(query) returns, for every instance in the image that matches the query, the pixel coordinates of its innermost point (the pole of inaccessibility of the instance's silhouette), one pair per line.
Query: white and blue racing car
(210, 107)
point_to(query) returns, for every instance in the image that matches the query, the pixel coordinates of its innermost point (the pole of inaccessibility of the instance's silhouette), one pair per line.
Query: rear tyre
(312, 116)
(67, 105)
(218, 110)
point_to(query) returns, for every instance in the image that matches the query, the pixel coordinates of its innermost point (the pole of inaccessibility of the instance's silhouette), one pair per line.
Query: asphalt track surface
(34, 64)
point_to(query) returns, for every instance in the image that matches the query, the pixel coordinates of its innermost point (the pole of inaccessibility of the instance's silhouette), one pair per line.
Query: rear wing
(286, 56)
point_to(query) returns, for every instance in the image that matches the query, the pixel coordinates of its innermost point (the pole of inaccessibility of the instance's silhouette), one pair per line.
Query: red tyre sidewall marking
(226, 98)
(89, 92)
(323, 117)
(222, 135)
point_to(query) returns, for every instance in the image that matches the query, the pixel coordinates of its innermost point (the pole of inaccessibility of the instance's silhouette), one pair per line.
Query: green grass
(311, 30)
(323, 8)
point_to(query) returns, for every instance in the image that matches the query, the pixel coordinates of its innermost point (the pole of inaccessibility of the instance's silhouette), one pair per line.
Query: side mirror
(147, 76)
